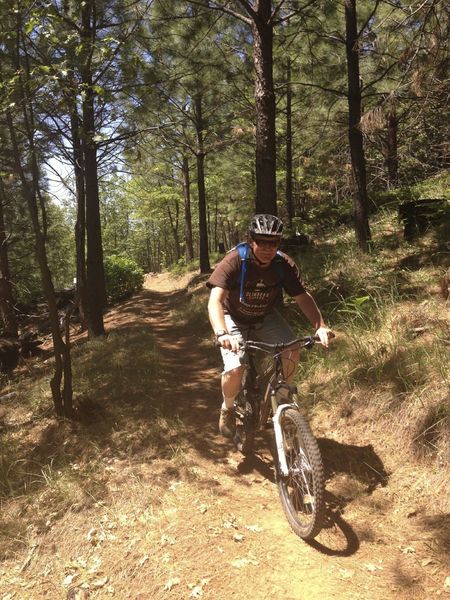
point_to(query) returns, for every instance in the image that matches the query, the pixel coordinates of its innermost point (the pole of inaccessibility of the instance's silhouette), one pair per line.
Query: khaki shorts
(273, 330)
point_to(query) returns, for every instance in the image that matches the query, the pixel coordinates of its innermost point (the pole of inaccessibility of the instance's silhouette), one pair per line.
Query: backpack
(244, 254)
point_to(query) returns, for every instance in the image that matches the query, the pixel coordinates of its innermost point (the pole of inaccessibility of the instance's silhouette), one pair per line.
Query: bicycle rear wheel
(246, 424)
(302, 490)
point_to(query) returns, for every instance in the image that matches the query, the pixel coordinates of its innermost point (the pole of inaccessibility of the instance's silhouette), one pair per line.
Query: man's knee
(233, 374)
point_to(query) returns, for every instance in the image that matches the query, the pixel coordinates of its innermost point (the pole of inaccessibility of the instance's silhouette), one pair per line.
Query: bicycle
(298, 463)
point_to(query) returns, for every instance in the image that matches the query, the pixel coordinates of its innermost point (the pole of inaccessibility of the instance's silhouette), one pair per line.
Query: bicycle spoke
(301, 491)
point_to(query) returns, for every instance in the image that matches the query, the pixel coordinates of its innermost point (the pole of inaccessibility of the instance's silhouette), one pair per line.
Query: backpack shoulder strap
(279, 264)
(244, 254)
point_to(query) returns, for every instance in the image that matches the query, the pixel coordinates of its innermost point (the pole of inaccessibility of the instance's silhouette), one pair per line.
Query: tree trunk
(360, 200)
(174, 227)
(148, 249)
(203, 225)
(6, 296)
(80, 225)
(187, 211)
(266, 188)
(216, 224)
(62, 398)
(391, 150)
(95, 275)
(289, 203)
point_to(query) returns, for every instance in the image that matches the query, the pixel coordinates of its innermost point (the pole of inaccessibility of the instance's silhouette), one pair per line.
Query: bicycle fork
(280, 394)
(279, 438)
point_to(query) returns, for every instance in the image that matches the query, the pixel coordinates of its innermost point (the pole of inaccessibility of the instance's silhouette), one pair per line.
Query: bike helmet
(266, 225)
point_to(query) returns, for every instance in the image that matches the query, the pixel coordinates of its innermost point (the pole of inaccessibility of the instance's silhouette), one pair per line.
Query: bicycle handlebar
(306, 342)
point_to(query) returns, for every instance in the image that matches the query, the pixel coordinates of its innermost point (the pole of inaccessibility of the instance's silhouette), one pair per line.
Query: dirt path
(239, 540)
(197, 520)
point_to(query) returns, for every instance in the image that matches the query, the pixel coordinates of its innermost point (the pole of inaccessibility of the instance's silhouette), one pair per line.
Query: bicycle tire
(243, 440)
(302, 491)
(245, 427)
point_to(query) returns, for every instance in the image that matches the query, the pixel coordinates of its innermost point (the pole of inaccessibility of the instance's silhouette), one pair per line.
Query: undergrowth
(389, 363)
(385, 376)
(48, 466)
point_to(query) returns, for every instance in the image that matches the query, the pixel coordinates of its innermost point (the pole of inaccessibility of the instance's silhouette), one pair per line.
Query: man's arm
(217, 318)
(309, 308)
(215, 308)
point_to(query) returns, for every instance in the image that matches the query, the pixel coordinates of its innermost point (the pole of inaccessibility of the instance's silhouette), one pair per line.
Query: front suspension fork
(279, 438)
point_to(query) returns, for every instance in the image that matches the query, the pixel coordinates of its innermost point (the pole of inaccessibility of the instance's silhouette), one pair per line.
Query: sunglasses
(264, 242)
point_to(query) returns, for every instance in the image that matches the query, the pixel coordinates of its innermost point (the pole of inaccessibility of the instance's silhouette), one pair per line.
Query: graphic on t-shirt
(258, 293)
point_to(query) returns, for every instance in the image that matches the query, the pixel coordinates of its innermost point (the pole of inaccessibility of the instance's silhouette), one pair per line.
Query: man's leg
(231, 382)
(290, 359)
(273, 330)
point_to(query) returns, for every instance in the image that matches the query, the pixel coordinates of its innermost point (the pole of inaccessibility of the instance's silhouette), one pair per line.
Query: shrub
(123, 277)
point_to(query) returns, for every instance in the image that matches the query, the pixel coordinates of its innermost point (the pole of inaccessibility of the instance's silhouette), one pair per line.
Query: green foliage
(437, 186)
(25, 272)
(123, 277)
(182, 266)
(60, 247)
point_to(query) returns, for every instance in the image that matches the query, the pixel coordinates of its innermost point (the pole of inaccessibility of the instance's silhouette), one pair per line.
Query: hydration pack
(244, 254)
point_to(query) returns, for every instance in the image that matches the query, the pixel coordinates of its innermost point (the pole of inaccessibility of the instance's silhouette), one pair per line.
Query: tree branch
(374, 10)
(227, 10)
(297, 11)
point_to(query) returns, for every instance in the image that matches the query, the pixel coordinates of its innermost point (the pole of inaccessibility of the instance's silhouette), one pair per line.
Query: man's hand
(230, 342)
(325, 335)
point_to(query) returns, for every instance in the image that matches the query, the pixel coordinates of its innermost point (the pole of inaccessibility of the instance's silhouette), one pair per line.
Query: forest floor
(187, 516)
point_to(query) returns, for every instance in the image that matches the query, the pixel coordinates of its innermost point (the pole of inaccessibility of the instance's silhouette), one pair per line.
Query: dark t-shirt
(262, 286)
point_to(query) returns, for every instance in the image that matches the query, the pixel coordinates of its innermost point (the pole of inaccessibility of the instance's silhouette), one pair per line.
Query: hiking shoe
(227, 422)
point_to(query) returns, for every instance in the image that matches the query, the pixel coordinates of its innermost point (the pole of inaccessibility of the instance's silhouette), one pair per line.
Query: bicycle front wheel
(302, 490)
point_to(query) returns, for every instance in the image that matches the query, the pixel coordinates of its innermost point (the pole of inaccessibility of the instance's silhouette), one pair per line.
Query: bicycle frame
(278, 393)
(298, 464)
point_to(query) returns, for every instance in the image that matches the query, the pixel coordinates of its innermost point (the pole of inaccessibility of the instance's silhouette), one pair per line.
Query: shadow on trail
(337, 537)
(257, 463)
(188, 385)
(350, 471)
(361, 463)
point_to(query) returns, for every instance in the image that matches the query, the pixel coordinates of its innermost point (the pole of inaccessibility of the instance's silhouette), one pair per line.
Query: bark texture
(266, 187)
(355, 136)
(202, 217)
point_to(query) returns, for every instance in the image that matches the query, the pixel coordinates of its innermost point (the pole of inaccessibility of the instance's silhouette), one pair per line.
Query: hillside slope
(143, 499)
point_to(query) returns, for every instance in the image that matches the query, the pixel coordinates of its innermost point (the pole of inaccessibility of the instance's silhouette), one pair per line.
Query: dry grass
(138, 500)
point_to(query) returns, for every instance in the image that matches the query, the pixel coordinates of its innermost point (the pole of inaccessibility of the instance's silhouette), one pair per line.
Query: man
(242, 302)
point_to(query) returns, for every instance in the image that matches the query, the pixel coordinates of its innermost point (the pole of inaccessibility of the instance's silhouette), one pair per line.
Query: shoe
(227, 422)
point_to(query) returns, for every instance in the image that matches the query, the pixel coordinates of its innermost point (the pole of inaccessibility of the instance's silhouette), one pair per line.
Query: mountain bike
(298, 464)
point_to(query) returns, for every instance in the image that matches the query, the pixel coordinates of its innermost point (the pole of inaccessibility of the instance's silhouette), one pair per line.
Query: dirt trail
(198, 520)
(247, 548)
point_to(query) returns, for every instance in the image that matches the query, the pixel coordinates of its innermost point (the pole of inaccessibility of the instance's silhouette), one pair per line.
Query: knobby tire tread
(309, 444)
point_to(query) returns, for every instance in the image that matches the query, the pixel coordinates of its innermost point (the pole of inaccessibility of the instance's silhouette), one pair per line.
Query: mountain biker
(237, 304)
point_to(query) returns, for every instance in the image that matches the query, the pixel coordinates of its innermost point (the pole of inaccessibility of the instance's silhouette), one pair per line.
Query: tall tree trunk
(95, 275)
(266, 188)
(62, 397)
(360, 200)
(391, 149)
(187, 210)
(289, 202)
(216, 224)
(174, 227)
(148, 249)
(80, 225)
(203, 225)
(6, 296)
